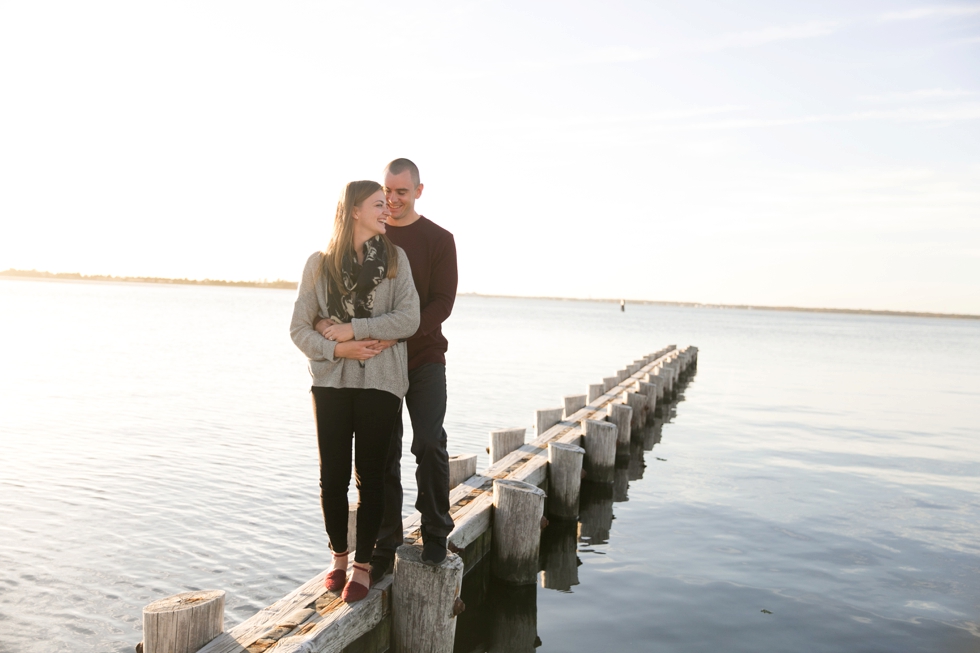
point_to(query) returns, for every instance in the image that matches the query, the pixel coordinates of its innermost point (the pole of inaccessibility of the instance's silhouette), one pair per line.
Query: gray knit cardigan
(395, 316)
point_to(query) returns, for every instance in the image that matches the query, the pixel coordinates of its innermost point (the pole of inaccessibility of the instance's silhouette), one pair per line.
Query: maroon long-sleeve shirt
(432, 254)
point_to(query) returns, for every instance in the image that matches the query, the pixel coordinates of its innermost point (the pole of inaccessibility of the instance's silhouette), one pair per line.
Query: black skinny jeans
(367, 417)
(426, 400)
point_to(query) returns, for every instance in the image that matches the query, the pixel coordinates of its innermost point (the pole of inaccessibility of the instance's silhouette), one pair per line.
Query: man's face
(401, 194)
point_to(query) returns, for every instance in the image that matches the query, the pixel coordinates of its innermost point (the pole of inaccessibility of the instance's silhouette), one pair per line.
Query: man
(431, 252)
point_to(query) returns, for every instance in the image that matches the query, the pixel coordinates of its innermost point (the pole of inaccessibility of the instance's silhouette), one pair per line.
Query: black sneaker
(380, 567)
(433, 550)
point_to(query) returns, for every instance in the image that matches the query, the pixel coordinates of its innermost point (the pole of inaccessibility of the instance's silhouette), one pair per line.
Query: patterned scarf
(356, 298)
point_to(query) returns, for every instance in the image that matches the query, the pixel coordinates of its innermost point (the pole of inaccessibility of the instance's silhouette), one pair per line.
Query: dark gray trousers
(426, 401)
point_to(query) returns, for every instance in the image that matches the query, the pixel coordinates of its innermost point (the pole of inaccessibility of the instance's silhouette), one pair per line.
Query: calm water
(823, 468)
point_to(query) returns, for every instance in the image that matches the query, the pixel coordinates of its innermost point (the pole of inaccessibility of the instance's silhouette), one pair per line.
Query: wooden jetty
(499, 514)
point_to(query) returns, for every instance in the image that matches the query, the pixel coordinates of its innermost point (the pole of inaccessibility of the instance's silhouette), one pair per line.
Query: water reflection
(502, 618)
(596, 513)
(559, 556)
(515, 619)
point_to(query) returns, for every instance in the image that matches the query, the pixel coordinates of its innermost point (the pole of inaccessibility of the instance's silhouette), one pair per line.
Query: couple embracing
(368, 316)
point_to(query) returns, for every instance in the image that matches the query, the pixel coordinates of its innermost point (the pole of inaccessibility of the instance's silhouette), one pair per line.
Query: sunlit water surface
(822, 468)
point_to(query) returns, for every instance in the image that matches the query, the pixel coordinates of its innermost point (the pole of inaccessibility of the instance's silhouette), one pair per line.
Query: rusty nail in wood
(458, 607)
(544, 523)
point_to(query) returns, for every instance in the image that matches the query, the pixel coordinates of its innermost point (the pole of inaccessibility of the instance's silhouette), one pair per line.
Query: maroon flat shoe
(336, 578)
(355, 591)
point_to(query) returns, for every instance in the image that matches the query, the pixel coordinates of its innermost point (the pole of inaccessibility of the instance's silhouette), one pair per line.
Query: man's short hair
(399, 166)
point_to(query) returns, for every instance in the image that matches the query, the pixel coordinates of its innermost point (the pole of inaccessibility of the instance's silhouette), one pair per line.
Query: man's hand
(359, 350)
(322, 325)
(339, 332)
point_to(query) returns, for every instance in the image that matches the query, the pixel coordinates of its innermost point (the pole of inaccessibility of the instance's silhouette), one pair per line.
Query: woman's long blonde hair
(342, 239)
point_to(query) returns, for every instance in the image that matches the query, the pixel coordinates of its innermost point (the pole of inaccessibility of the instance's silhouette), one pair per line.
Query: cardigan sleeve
(305, 315)
(403, 320)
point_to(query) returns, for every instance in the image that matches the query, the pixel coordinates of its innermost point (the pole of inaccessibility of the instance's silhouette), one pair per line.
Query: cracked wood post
(546, 418)
(638, 404)
(573, 404)
(599, 443)
(424, 602)
(596, 390)
(461, 467)
(564, 479)
(503, 441)
(621, 375)
(183, 623)
(517, 511)
(609, 382)
(621, 415)
(649, 390)
(351, 526)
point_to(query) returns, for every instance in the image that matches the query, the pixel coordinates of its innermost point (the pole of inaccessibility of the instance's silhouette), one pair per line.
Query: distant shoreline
(291, 285)
(747, 307)
(74, 276)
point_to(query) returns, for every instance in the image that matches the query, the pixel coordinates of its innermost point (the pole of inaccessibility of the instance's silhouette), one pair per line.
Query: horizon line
(282, 284)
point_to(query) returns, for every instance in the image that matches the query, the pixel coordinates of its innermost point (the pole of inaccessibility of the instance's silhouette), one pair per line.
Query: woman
(363, 284)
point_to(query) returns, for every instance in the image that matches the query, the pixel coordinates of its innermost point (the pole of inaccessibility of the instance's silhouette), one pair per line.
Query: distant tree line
(38, 274)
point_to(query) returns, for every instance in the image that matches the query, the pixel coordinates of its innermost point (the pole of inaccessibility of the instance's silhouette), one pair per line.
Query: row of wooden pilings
(499, 513)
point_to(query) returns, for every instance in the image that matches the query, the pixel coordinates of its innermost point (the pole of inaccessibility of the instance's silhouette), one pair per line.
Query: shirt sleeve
(403, 319)
(305, 315)
(442, 287)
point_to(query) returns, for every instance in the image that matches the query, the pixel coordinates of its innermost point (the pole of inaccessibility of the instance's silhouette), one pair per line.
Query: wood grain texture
(183, 623)
(545, 418)
(423, 602)
(461, 467)
(595, 391)
(599, 443)
(517, 511)
(564, 479)
(573, 404)
(341, 626)
(503, 441)
(622, 416)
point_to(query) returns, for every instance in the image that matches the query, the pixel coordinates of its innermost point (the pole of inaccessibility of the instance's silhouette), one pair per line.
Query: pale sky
(809, 154)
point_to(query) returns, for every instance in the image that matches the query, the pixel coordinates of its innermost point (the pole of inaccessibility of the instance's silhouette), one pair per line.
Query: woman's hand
(322, 325)
(359, 350)
(339, 332)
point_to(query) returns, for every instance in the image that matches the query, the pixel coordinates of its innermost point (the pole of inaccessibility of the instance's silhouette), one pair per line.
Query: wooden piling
(546, 418)
(461, 467)
(648, 390)
(351, 526)
(564, 479)
(596, 390)
(574, 403)
(503, 441)
(517, 511)
(599, 443)
(638, 404)
(621, 375)
(183, 623)
(609, 382)
(423, 602)
(622, 416)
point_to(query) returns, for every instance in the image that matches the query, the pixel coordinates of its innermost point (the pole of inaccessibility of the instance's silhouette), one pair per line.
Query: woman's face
(372, 215)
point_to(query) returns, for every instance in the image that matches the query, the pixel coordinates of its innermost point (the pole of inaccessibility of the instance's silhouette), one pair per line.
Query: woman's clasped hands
(347, 347)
